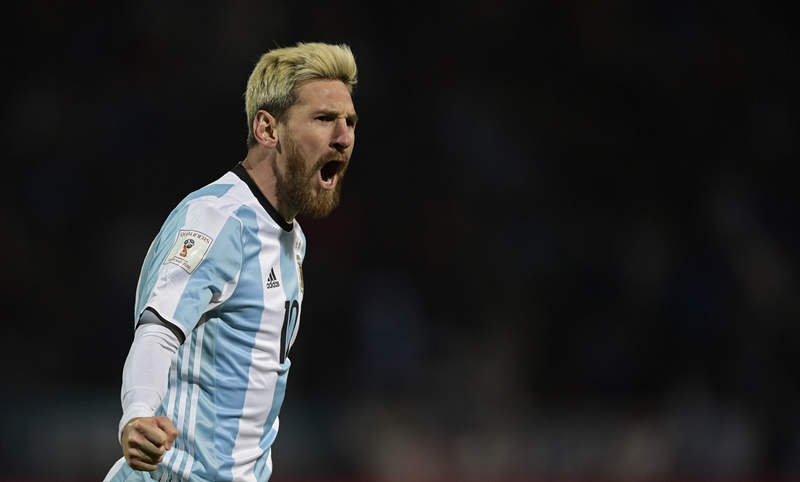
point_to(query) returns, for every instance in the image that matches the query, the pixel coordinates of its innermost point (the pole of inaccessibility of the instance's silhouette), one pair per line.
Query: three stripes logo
(272, 280)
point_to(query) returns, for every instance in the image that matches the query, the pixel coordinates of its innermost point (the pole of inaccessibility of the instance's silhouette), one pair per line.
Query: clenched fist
(144, 441)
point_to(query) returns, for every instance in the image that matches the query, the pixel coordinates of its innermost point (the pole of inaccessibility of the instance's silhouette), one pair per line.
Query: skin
(319, 128)
(144, 441)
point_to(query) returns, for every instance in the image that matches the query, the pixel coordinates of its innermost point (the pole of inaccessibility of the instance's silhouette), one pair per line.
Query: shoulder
(209, 211)
(222, 199)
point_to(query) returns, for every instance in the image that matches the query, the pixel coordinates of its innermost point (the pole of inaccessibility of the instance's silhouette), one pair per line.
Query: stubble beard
(295, 185)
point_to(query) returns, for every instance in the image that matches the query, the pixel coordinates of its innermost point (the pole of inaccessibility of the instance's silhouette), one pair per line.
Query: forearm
(146, 371)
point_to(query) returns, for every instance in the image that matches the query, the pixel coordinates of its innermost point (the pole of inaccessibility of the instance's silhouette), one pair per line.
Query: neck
(260, 165)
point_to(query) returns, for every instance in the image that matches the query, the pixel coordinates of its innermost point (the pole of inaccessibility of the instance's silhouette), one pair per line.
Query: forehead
(324, 94)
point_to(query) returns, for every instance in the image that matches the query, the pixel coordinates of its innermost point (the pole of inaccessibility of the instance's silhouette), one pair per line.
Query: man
(219, 295)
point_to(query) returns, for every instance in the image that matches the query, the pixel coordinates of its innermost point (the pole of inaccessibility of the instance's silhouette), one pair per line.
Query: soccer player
(220, 292)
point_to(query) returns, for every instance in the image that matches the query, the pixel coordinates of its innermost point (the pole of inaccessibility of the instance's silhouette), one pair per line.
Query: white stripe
(170, 406)
(190, 435)
(181, 425)
(263, 356)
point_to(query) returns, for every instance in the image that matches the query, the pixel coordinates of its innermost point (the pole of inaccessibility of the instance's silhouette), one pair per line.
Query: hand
(144, 441)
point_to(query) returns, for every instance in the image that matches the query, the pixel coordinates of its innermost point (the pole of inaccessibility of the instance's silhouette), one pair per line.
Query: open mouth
(329, 171)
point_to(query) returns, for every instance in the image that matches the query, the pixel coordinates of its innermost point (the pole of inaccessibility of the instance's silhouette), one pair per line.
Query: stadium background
(567, 247)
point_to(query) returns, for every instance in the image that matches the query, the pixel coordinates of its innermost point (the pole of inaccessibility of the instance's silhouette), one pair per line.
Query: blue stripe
(190, 388)
(206, 421)
(268, 437)
(234, 347)
(215, 190)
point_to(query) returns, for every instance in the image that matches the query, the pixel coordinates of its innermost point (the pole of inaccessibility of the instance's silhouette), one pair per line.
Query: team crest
(189, 250)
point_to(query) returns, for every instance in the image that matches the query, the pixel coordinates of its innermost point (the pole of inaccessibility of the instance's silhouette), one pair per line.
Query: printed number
(291, 310)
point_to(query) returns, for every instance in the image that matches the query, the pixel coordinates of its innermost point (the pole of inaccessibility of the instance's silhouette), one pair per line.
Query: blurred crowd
(566, 244)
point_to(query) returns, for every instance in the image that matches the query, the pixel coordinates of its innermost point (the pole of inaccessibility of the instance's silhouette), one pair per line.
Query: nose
(343, 135)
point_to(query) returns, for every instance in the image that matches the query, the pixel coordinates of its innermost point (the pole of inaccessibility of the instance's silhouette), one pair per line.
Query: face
(316, 141)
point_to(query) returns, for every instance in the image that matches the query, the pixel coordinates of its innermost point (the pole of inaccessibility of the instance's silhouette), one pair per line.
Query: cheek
(312, 147)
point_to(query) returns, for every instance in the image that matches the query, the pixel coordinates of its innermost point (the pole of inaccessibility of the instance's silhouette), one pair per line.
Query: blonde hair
(271, 86)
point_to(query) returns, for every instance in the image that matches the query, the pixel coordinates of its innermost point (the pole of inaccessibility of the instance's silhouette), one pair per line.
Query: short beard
(295, 185)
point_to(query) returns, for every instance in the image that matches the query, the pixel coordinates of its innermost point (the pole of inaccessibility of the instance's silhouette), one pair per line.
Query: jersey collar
(240, 171)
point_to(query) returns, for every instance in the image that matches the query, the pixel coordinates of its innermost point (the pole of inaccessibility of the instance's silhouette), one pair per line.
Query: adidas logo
(272, 280)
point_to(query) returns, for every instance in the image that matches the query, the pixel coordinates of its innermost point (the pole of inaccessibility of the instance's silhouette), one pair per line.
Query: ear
(265, 129)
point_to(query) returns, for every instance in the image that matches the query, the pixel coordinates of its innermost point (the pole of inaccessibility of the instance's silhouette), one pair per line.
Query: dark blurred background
(567, 247)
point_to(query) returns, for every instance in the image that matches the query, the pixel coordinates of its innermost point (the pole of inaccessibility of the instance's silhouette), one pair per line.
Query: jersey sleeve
(193, 266)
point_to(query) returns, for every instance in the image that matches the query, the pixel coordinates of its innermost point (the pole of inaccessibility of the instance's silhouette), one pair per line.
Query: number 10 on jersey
(290, 314)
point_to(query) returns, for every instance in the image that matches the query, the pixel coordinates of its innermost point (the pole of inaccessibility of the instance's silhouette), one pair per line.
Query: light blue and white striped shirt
(226, 271)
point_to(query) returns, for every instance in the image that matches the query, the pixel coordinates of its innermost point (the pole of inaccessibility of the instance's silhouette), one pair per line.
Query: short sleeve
(196, 268)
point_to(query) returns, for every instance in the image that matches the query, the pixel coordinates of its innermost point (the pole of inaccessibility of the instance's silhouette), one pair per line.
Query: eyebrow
(331, 112)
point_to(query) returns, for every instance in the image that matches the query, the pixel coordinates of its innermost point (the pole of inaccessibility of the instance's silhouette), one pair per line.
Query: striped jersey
(226, 270)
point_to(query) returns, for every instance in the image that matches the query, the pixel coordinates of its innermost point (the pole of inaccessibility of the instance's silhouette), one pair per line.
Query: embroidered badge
(189, 250)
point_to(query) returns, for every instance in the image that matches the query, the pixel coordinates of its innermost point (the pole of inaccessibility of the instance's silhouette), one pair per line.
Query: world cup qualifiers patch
(189, 250)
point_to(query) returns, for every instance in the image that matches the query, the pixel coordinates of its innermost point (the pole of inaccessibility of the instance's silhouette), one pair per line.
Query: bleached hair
(271, 86)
